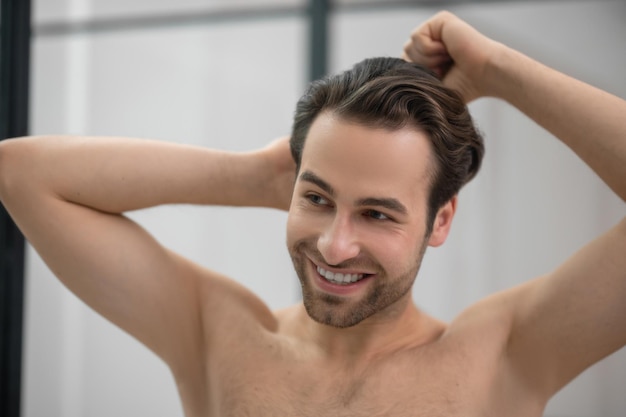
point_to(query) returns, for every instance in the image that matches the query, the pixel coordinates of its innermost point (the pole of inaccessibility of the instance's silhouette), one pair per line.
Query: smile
(339, 278)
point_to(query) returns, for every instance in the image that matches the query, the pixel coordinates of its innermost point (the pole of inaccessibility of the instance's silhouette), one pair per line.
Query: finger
(410, 53)
(443, 69)
(427, 38)
(421, 46)
(435, 61)
(431, 60)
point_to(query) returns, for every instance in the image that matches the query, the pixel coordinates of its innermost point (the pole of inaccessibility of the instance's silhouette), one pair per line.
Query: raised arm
(570, 318)
(67, 195)
(590, 121)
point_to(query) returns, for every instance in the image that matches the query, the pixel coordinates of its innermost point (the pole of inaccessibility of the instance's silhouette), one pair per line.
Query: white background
(233, 85)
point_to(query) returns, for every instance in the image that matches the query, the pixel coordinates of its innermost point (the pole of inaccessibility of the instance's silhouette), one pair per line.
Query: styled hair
(392, 94)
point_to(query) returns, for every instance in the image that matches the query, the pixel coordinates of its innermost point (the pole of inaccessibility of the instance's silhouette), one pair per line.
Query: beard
(382, 292)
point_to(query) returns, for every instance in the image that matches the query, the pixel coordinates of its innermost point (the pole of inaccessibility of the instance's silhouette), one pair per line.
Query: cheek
(292, 229)
(395, 251)
(299, 226)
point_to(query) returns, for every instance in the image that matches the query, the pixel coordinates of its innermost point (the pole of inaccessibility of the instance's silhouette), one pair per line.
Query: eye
(317, 200)
(377, 215)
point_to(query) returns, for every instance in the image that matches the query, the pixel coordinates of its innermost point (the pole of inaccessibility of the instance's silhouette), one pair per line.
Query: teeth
(338, 278)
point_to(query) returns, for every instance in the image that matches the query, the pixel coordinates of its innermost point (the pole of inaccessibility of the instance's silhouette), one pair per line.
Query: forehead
(352, 155)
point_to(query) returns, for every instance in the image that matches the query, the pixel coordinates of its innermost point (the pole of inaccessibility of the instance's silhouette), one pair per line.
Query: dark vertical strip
(14, 82)
(318, 52)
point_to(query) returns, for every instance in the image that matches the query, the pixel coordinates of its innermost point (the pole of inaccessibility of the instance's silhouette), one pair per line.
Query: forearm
(588, 120)
(120, 174)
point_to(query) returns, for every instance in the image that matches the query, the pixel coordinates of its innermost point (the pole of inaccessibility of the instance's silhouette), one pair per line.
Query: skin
(374, 226)
(231, 356)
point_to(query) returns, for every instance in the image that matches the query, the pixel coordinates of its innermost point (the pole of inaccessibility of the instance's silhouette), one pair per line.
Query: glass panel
(230, 86)
(59, 10)
(499, 222)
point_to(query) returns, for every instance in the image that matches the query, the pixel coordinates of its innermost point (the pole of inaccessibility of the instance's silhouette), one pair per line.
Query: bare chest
(400, 387)
(341, 399)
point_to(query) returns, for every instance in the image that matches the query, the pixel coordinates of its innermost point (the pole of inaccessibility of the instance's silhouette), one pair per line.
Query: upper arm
(106, 259)
(120, 271)
(110, 262)
(567, 320)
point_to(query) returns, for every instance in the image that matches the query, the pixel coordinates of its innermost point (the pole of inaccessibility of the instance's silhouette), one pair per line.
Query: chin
(337, 319)
(340, 312)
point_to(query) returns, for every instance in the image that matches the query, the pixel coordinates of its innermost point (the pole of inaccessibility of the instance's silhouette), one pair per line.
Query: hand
(455, 51)
(282, 172)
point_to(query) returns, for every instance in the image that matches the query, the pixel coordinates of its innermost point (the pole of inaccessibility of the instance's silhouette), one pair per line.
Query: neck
(398, 327)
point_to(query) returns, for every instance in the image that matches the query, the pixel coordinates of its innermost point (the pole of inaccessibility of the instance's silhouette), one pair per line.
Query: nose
(338, 242)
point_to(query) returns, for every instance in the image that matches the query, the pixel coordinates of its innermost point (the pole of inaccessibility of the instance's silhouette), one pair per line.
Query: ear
(442, 223)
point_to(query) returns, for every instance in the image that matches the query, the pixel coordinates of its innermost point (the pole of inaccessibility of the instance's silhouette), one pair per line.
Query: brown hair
(392, 94)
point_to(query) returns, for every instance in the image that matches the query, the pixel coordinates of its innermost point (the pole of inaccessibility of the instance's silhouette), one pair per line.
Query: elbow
(11, 158)
(5, 150)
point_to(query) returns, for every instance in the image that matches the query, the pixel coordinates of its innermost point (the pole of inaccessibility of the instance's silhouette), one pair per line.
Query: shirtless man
(361, 209)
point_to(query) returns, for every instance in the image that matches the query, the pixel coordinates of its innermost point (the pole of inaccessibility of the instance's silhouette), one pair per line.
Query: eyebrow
(388, 203)
(308, 176)
(385, 202)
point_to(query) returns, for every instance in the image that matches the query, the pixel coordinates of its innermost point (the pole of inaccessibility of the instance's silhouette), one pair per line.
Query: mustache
(308, 248)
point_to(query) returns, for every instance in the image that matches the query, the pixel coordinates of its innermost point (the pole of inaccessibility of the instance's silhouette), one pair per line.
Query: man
(370, 195)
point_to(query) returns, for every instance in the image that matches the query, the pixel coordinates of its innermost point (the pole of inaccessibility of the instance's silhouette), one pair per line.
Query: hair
(391, 93)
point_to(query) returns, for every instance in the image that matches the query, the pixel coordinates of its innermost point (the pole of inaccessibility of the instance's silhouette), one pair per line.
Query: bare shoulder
(227, 323)
(478, 345)
(549, 329)
(479, 335)
(493, 314)
(571, 318)
(228, 306)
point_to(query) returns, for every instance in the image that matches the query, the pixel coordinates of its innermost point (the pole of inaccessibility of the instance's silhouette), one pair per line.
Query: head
(381, 152)
(391, 93)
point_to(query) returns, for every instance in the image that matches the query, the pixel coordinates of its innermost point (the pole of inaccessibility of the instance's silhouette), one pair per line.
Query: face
(357, 221)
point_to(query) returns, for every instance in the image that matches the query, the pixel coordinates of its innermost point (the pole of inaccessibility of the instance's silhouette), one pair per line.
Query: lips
(338, 277)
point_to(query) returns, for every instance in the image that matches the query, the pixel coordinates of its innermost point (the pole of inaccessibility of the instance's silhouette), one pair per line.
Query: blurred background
(227, 74)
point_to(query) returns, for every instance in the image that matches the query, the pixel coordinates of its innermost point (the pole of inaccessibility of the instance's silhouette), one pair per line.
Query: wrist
(502, 72)
(275, 171)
